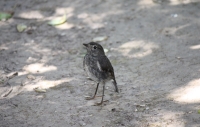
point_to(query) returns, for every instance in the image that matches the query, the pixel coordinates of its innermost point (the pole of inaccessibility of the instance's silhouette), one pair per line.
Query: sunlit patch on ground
(137, 49)
(95, 21)
(39, 68)
(187, 94)
(177, 2)
(146, 2)
(3, 48)
(46, 84)
(31, 14)
(167, 118)
(195, 47)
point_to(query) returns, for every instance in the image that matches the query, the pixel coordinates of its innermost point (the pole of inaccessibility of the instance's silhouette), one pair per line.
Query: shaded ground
(153, 45)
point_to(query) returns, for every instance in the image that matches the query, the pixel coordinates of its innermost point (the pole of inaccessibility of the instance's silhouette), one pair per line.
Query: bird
(98, 67)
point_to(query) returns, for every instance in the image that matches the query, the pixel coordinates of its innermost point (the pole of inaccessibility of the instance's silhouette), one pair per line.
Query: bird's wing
(104, 64)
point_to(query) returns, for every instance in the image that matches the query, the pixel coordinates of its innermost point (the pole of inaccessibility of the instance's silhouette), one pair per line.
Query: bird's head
(94, 48)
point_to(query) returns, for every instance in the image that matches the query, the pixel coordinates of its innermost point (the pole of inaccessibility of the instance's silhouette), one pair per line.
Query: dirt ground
(154, 47)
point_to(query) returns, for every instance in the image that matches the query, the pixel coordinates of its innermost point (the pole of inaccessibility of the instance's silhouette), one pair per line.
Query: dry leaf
(58, 21)
(21, 27)
(40, 90)
(31, 77)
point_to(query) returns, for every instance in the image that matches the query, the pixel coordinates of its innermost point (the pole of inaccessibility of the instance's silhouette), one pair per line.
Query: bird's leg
(90, 98)
(115, 84)
(102, 96)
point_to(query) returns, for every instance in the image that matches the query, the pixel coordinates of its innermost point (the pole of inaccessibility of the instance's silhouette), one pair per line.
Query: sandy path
(153, 46)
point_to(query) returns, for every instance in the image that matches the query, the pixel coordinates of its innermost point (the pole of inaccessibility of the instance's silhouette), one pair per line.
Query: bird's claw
(100, 103)
(97, 104)
(89, 98)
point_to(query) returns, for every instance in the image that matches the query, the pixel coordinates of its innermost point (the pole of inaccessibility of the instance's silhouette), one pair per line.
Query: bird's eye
(95, 47)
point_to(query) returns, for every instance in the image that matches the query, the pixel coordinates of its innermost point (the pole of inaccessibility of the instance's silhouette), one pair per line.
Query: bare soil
(154, 47)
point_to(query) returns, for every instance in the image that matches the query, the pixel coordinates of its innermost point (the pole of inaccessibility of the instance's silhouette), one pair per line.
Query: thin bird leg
(96, 91)
(90, 98)
(103, 93)
(115, 84)
(102, 96)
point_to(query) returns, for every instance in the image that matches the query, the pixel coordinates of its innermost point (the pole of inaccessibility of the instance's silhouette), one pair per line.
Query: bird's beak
(86, 45)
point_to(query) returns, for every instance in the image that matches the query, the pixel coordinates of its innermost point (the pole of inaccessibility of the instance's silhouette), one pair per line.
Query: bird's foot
(90, 98)
(100, 103)
(98, 96)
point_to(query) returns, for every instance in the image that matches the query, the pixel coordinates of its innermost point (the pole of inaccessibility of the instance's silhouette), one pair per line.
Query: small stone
(190, 112)
(31, 77)
(62, 34)
(113, 109)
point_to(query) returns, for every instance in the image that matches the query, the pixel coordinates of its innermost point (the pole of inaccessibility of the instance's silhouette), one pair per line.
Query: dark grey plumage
(98, 67)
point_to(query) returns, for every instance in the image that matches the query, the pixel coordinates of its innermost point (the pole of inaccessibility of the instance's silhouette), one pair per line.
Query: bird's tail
(115, 84)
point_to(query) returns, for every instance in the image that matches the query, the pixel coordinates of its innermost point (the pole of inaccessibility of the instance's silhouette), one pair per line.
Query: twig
(12, 76)
(9, 91)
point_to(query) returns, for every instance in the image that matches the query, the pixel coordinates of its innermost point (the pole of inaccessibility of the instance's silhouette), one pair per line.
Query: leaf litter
(58, 21)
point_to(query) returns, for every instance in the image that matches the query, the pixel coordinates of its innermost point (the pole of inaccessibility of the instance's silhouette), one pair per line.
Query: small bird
(98, 67)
